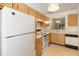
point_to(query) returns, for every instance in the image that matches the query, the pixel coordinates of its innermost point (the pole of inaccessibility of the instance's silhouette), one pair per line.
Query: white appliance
(45, 41)
(17, 33)
(71, 39)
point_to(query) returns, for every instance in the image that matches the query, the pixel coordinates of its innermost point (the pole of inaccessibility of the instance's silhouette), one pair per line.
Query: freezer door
(14, 22)
(18, 46)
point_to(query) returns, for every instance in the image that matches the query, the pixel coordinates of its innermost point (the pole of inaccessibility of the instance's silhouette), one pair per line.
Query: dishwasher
(71, 41)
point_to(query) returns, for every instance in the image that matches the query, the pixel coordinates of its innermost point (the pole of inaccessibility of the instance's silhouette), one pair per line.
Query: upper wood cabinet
(15, 6)
(23, 8)
(72, 20)
(39, 16)
(1, 6)
(33, 12)
(6, 4)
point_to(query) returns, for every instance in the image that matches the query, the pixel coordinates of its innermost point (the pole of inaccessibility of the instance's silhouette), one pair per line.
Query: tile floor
(56, 50)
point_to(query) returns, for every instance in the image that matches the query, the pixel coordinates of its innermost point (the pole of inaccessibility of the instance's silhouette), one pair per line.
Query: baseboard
(56, 44)
(71, 46)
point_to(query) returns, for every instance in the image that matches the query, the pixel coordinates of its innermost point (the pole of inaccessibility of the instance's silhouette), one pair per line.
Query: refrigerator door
(23, 45)
(14, 22)
(0, 33)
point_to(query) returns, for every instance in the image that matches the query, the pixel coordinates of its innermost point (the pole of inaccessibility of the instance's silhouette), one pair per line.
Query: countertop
(57, 31)
(41, 36)
(38, 36)
(64, 32)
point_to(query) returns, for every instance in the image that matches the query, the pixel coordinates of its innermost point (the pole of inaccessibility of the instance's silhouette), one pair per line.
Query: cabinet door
(1, 6)
(49, 37)
(38, 47)
(23, 8)
(72, 20)
(53, 38)
(32, 12)
(6, 4)
(15, 6)
(60, 39)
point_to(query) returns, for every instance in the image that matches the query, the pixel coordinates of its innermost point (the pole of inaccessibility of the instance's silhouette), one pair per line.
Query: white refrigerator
(17, 33)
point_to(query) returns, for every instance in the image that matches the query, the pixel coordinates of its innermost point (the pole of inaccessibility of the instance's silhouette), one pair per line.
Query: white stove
(45, 41)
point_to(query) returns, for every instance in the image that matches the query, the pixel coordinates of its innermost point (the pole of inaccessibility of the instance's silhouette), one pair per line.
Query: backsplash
(72, 29)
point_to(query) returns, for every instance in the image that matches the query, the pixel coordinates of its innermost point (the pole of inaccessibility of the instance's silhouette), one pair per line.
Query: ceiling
(42, 7)
(66, 7)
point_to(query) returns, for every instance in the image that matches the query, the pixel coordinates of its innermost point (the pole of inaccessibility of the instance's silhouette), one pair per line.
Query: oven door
(45, 41)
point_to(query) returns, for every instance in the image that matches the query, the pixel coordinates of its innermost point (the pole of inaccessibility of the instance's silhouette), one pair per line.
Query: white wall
(78, 19)
(64, 14)
(78, 26)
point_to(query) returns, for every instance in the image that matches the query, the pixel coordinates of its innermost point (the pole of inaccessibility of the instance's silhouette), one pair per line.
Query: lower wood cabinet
(53, 38)
(38, 47)
(61, 39)
(57, 38)
(49, 38)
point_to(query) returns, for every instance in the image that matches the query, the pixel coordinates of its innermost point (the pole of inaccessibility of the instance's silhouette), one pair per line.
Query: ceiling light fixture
(58, 21)
(53, 7)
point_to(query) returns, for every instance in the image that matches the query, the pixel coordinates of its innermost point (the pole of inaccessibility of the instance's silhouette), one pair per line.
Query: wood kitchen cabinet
(38, 47)
(15, 6)
(6, 4)
(53, 38)
(1, 6)
(10, 5)
(57, 38)
(49, 38)
(23, 8)
(33, 12)
(26, 9)
(60, 39)
(41, 16)
(72, 20)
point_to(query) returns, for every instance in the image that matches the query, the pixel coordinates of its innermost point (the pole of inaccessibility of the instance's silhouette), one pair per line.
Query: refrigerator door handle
(19, 35)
